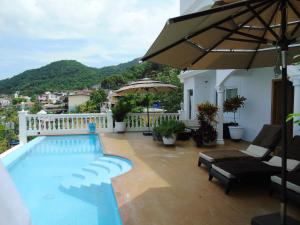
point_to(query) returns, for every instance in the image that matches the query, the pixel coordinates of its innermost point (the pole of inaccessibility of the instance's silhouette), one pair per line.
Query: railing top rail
(153, 113)
(66, 115)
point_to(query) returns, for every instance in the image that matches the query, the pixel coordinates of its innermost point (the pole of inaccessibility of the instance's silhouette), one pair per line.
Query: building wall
(256, 86)
(190, 6)
(203, 86)
(76, 100)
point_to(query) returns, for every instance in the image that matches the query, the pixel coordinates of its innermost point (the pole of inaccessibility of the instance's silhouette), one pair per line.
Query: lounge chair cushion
(223, 172)
(292, 164)
(216, 155)
(244, 168)
(265, 141)
(256, 151)
(293, 181)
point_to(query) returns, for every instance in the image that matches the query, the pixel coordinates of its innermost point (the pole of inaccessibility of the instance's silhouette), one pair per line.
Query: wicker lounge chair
(245, 170)
(264, 143)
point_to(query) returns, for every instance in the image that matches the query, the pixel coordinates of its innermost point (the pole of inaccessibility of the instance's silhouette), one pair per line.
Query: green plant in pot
(232, 105)
(207, 133)
(119, 113)
(168, 130)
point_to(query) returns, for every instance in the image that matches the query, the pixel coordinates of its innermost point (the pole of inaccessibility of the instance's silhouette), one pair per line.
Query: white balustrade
(52, 124)
(61, 124)
(139, 121)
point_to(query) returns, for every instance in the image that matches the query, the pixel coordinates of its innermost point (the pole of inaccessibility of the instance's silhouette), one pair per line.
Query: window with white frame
(231, 93)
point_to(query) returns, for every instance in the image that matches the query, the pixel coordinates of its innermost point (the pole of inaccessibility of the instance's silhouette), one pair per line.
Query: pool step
(97, 172)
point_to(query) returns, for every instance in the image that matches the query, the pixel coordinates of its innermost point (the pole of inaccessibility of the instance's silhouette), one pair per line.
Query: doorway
(276, 116)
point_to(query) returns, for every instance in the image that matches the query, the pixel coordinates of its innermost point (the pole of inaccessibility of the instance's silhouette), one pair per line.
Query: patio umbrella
(239, 35)
(146, 86)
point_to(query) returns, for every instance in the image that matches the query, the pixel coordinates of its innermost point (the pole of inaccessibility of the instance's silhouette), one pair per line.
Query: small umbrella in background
(146, 86)
(240, 35)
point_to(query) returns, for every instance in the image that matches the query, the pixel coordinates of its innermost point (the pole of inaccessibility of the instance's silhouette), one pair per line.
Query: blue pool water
(66, 180)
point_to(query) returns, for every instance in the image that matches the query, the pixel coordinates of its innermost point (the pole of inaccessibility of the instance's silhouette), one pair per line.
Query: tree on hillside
(37, 106)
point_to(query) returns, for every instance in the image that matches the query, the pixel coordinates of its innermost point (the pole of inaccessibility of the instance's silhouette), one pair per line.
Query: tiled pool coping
(12, 155)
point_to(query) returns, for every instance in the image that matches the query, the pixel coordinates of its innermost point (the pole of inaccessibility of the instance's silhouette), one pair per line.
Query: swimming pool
(66, 180)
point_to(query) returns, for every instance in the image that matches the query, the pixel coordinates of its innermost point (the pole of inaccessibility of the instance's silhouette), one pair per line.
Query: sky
(97, 33)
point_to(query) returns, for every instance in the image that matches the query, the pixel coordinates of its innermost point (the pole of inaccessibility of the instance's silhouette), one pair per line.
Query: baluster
(76, 122)
(29, 124)
(68, 123)
(34, 123)
(39, 123)
(58, 123)
(72, 119)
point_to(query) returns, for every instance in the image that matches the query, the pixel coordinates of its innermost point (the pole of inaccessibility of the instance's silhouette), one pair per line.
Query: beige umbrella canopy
(240, 35)
(146, 85)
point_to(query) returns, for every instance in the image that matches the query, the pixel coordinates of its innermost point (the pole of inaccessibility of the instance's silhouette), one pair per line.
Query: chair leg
(227, 188)
(199, 162)
(271, 191)
(210, 177)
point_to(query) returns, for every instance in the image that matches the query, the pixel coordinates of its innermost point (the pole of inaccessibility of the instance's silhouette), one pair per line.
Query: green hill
(72, 75)
(60, 75)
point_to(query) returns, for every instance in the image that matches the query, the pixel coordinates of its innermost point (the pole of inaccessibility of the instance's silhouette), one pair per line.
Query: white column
(181, 112)
(22, 127)
(110, 125)
(296, 83)
(220, 118)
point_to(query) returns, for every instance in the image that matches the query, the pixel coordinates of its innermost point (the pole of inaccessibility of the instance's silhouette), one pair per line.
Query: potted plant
(207, 133)
(168, 130)
(232, 105)
(119, 113)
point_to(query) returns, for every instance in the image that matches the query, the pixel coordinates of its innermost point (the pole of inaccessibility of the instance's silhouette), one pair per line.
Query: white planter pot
(236, 132)
(169, 140)
(120, 127)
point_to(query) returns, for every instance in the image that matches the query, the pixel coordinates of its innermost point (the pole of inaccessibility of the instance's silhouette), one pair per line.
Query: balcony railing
(61, 124)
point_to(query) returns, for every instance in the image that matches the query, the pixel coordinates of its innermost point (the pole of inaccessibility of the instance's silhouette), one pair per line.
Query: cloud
(95, 32)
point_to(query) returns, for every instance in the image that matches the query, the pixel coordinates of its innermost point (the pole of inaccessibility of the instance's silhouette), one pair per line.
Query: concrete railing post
(110, 124)
(22, 127)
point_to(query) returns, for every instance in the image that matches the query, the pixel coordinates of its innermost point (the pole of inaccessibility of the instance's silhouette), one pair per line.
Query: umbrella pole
(284, 49)
(283, 205)
(148, 133)
(281, 218)
(148, 115)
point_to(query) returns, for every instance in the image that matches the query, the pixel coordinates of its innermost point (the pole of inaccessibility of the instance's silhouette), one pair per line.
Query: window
(190, 96)
(231, 93)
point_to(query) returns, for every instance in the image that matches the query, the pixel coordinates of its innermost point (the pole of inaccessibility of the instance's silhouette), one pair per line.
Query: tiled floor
(166, 187)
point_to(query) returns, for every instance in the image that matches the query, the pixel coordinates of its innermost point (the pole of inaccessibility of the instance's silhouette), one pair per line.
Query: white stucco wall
(256, 86)
(203, 86)
(76, 100)
(190, 6)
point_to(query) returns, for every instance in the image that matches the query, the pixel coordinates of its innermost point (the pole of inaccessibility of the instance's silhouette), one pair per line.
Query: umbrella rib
(228, 35)
(201, 31)
(195, 45)
(264, 34)
(245, 40)
(297, 13)
(244, 34)
(263, 22)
